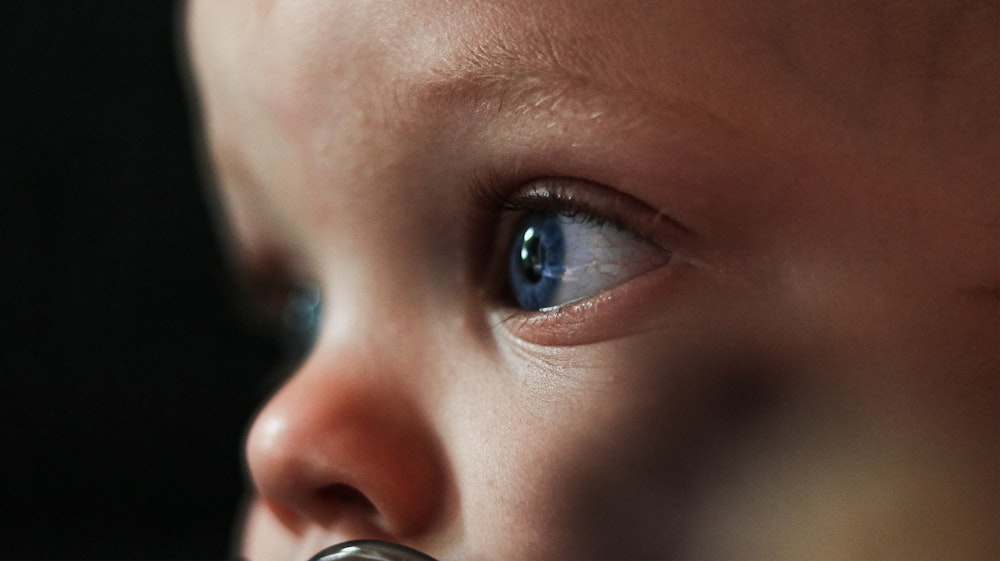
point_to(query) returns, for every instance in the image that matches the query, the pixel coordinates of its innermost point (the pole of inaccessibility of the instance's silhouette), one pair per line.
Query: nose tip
(346, 452)
(303, 473)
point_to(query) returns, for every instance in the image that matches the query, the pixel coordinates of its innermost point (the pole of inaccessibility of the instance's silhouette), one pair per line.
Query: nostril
(347, 496)
(346, 453)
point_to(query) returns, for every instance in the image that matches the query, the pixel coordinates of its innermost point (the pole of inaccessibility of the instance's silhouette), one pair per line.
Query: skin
(813, 373)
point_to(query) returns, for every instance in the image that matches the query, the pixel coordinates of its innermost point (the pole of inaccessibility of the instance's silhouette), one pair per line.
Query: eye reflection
(555, 258)
(536, 263)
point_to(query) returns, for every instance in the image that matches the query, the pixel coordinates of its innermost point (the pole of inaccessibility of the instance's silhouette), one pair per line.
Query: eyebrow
(499, 72)
(533, 71)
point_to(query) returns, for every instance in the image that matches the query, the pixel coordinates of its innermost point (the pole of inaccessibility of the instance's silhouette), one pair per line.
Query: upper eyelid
(492, 197)
(576, 207)
(540, 194)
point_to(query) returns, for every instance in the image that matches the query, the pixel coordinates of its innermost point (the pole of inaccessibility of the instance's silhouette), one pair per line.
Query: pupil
(532, 255)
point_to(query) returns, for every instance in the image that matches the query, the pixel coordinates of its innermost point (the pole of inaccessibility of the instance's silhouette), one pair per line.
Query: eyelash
(495, 197)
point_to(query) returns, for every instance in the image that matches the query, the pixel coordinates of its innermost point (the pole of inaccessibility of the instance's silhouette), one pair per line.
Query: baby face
(618, 279)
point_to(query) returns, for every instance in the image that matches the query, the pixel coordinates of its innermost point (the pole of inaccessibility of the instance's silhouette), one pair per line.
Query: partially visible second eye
(301, 318)
(556, 258)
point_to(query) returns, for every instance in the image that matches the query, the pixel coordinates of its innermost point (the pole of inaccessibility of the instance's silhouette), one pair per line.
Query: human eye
(563, 241)
(301, 318)
(289, 308)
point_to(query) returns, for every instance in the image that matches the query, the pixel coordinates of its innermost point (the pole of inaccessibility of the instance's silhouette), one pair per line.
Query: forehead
(626, 46)
(739, 61)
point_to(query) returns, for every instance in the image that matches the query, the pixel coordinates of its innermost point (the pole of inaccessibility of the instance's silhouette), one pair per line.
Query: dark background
(127, 372)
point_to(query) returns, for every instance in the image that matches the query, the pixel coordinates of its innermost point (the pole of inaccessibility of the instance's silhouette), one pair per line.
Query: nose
(345, 445)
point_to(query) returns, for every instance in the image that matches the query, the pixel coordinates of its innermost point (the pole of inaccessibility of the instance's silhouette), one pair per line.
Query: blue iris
(301, 320)
(536, 263)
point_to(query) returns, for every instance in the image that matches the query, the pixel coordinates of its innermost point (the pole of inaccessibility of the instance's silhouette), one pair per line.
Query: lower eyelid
(615, 313)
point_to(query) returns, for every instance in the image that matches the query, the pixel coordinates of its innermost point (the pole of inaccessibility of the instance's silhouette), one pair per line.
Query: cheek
(636, 431)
